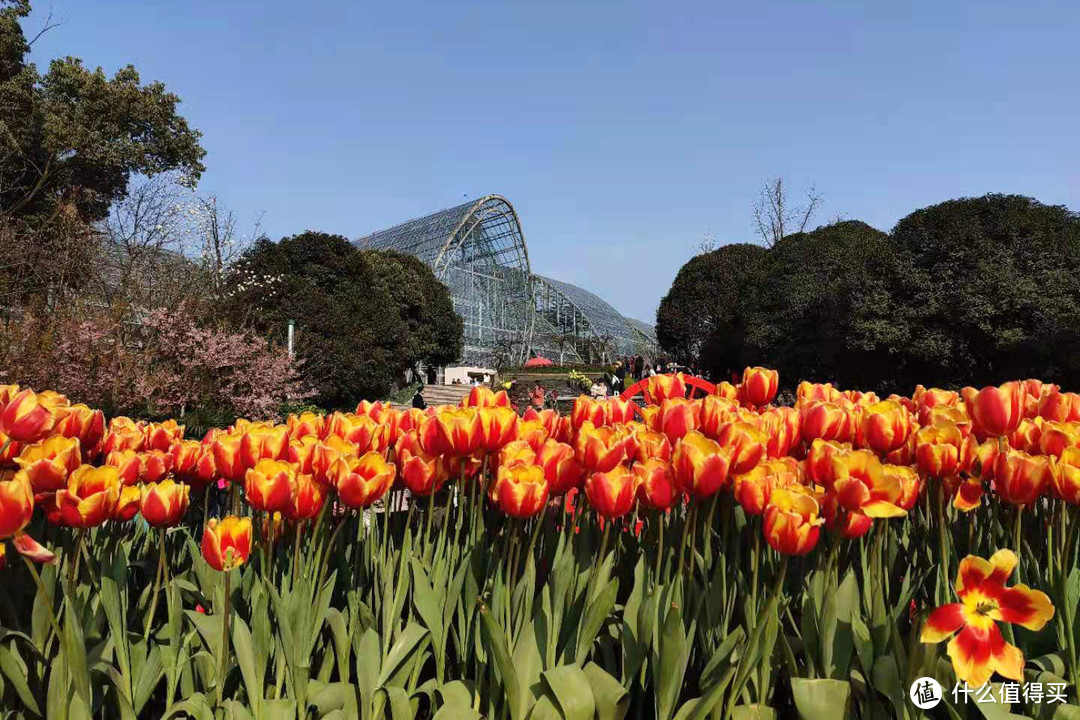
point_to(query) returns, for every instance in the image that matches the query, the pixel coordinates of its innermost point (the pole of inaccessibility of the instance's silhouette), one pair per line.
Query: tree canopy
(362, 317)
(969, 291)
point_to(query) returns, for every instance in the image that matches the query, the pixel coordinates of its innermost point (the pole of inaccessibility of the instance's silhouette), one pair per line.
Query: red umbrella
(538, 361)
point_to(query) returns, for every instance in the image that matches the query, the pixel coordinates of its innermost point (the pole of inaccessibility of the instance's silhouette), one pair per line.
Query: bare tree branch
(775, 217)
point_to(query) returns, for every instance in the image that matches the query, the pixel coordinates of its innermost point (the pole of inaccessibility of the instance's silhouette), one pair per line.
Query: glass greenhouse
(478, 250)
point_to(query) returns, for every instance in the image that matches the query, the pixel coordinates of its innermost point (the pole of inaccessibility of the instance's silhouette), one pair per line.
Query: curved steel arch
(477, 249)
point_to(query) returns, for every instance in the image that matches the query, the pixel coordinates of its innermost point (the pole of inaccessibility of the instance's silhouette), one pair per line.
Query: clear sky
(622, 132)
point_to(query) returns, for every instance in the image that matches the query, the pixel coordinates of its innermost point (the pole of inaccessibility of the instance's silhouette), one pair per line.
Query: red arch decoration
(696, 384)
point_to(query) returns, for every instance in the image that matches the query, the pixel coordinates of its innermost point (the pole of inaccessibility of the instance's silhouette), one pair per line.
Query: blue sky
(622, 132)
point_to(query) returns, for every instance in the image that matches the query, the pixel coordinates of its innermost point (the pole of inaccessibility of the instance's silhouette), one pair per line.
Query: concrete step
(445, 394)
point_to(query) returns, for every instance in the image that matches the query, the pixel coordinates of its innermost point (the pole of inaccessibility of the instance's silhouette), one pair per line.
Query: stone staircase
(445, 394)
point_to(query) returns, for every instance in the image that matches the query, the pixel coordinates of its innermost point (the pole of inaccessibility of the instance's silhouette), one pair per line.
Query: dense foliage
(709, 557)
(362, 317)
(979, 289)
(71, 140)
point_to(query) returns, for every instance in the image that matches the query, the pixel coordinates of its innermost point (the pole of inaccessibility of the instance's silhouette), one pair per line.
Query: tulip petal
(30, 548)
(882, 509)
(943, 622)
(1023, 606)
(974, 571)
(972, 653)
(968, 496)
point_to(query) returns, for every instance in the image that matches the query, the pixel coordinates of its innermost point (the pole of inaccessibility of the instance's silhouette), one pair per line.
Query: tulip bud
(226, 543)
(89, 499)
(269, 485)
(16, 503)
(362, 481)
(759, 386)
(29, 416)
(701, 465)
(656, 484)
(612, 493)
(561, 467)
(164, 504)
(792, 522)
(49, 462)
(995, 411)
(521, 490)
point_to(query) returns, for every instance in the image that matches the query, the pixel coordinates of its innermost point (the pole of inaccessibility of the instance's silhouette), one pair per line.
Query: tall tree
(777, 214)
(362, 317)
(702, 319)
(70, 141)
(991, 285)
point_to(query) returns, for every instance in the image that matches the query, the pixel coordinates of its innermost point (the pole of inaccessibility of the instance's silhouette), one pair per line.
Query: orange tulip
(1059, 406)
(9, 450)
(676, 417)
(754, 488)
(373, 410)
(89, 499)
(701, 465)
(612, 493)
(6, 393)
(747, 445)
(656, 484)
(819, 467)
(422, 473)
(1065, 475)
(978, 650)
(362, 481)
(307, 499)
(808, 393)
(1020, 478)
(497, 426)
(156, 464)
(939, 450)
(227, 460)
(599, 449)
(925, 400)
(532, 432)
(323, 455)
(727, 391)
(480, 397)
(966, 492)
(1057, 436)
(263, 442)
(792, 523)
(1026, 436)
(557, 426)
(307, 424)
(522, 490)
(122, 436)
(516, 453)
(164, 504)
(360, 430)
(269, 485)
(910, 484)
(127, 504)
(663, 387)
(713, 413)
(995, 411)
(460, 431)
(617, 410)
(782, 426)
(193, 463)
(30, 416)
(827, 421)
(16, 503)
(561, 467)
(409, 421)
(302, 452)
(85, 425)
(886, 426)
(226, 543)
(49, 462)
(759, 386)
(586, 410)
(161, 436)
(651, 444)
(861, 491)
(128, 463)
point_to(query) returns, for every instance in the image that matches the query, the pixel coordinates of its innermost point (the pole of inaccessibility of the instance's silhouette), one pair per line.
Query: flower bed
(712, 556)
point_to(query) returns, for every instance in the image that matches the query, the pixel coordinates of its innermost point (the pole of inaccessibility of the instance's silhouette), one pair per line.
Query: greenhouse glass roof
(477, 249)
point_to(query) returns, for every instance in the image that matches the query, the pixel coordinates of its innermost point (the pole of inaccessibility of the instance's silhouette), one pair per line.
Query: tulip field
(704, 554)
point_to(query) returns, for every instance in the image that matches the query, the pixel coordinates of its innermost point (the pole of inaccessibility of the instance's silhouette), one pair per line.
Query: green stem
(745, 668)
(690, 516)
(74, 568)
(329, 548)
(157, 585)
(296, 553)
(430, 514)
(224, 641)
(590, 588)
(659, 547)
(755, 562)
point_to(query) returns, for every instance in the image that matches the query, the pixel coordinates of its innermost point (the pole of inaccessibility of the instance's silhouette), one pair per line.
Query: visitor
(418, 400)
(649, 370)
(620, 378)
